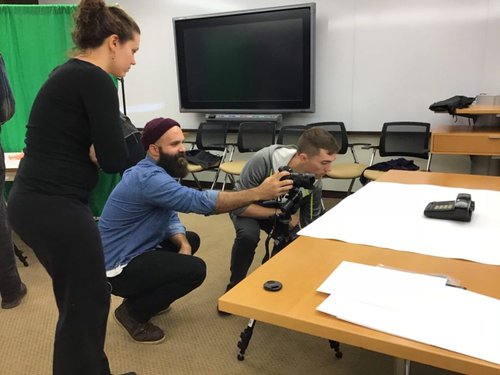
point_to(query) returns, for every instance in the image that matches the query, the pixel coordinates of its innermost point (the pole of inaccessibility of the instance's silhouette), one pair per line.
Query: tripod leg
(335, 345)
(20, 255)
(245, 337)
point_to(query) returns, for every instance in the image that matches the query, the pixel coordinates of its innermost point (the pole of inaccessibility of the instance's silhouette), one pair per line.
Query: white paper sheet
(428, 312)
(12, 159)
(390, 215)
(357, 278)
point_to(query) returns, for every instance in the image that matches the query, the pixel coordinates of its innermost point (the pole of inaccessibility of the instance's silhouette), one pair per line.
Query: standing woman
(73, 130)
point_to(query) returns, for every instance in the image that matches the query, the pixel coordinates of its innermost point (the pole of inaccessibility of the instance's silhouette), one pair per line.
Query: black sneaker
(144, 333)
(16, 301)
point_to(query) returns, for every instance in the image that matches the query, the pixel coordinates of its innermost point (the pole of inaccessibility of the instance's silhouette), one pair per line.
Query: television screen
(254, 61)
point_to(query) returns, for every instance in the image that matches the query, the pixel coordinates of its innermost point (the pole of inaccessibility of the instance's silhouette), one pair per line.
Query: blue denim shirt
(142, 211)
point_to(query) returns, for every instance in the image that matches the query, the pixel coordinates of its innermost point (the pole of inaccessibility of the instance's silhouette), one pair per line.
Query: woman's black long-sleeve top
(75, 108)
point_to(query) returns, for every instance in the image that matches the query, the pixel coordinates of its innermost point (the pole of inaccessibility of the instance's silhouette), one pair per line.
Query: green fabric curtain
(34, 39)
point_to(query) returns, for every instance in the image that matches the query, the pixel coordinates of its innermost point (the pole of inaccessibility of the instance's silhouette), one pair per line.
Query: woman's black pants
(63, 235)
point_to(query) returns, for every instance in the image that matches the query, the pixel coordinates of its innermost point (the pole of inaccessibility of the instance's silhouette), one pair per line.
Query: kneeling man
(148, 253)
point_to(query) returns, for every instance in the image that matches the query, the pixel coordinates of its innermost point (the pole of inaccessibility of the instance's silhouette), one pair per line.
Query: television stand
(243, 117)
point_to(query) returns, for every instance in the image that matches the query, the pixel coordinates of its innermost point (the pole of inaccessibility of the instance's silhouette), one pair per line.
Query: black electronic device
(300, 180)
(459, 209)
(254, 61)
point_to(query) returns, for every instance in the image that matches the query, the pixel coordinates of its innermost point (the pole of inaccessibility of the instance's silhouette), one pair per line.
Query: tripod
(282, 237)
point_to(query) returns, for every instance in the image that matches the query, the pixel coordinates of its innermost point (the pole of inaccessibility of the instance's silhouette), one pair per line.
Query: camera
(300, 180)
(281, 233)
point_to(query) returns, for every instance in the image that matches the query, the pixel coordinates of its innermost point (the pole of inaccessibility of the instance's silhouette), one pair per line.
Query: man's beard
(175, 165)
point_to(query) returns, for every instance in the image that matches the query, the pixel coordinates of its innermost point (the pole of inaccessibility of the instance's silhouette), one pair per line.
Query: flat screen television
(251, 61)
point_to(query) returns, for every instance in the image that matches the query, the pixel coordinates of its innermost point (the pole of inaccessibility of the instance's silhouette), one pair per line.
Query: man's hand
(186, 250)
(294, 221)
(274, 186)
(181, 241)
(92, 155)
(270, 188)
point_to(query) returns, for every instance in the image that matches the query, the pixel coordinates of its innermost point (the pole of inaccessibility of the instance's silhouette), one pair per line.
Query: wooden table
(479, 141)
(480, 109)
(307, 262)
(465, 140)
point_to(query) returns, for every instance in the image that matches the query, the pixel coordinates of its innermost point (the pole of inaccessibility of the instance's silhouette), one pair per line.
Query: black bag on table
(450, 105)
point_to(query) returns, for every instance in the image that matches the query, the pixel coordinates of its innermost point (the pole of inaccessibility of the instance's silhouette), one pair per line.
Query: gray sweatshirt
(263, 164)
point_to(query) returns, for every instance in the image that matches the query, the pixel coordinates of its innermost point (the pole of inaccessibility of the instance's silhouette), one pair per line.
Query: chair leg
(429, 163)
(350, 187)
(214, 182)
(197, 181)
(224, 182)
(232, 180)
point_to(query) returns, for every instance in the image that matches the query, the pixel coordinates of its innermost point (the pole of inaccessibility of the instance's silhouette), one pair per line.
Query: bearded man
(148, 252)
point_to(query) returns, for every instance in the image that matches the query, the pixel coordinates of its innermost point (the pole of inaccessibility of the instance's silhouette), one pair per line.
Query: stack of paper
(415, 306)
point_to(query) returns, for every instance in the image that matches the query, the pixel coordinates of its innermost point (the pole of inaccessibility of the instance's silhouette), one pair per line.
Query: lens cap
(272, 285)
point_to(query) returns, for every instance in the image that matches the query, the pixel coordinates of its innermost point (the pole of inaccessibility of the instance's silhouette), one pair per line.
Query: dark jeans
(62, 233)
(155, 279)
(245, 243)
(10, 283)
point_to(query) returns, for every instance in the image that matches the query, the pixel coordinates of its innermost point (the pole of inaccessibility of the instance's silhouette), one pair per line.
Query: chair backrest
(405, 138)
(211, 136)
(290, 134)
(338, 130)
(252, 136)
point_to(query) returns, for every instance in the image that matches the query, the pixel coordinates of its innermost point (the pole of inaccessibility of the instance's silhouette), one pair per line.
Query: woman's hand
(92, 155)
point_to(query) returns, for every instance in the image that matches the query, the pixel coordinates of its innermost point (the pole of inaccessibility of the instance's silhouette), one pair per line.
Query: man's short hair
(314, 139)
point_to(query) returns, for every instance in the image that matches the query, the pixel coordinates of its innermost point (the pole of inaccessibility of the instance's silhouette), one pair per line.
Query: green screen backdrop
(34, 39)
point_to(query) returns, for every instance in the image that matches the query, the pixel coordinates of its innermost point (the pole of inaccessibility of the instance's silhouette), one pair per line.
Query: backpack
(203, 158)
(132, 137)
(450, 105)
(7, 103)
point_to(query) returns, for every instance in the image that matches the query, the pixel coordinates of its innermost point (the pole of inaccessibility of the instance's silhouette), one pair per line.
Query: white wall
(376, 60)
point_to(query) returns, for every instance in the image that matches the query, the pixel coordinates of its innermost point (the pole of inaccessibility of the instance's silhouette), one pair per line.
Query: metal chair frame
(252, 136)
(407, 132)
(339, 132)
(210, 137)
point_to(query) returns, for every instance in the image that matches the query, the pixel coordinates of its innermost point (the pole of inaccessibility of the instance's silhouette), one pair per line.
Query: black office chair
(343, 171)
(290, 134)
(252, 136)
(211, 136)
(403, 138)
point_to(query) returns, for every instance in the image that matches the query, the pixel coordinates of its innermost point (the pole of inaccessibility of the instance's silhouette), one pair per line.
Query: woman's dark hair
(94, 22)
